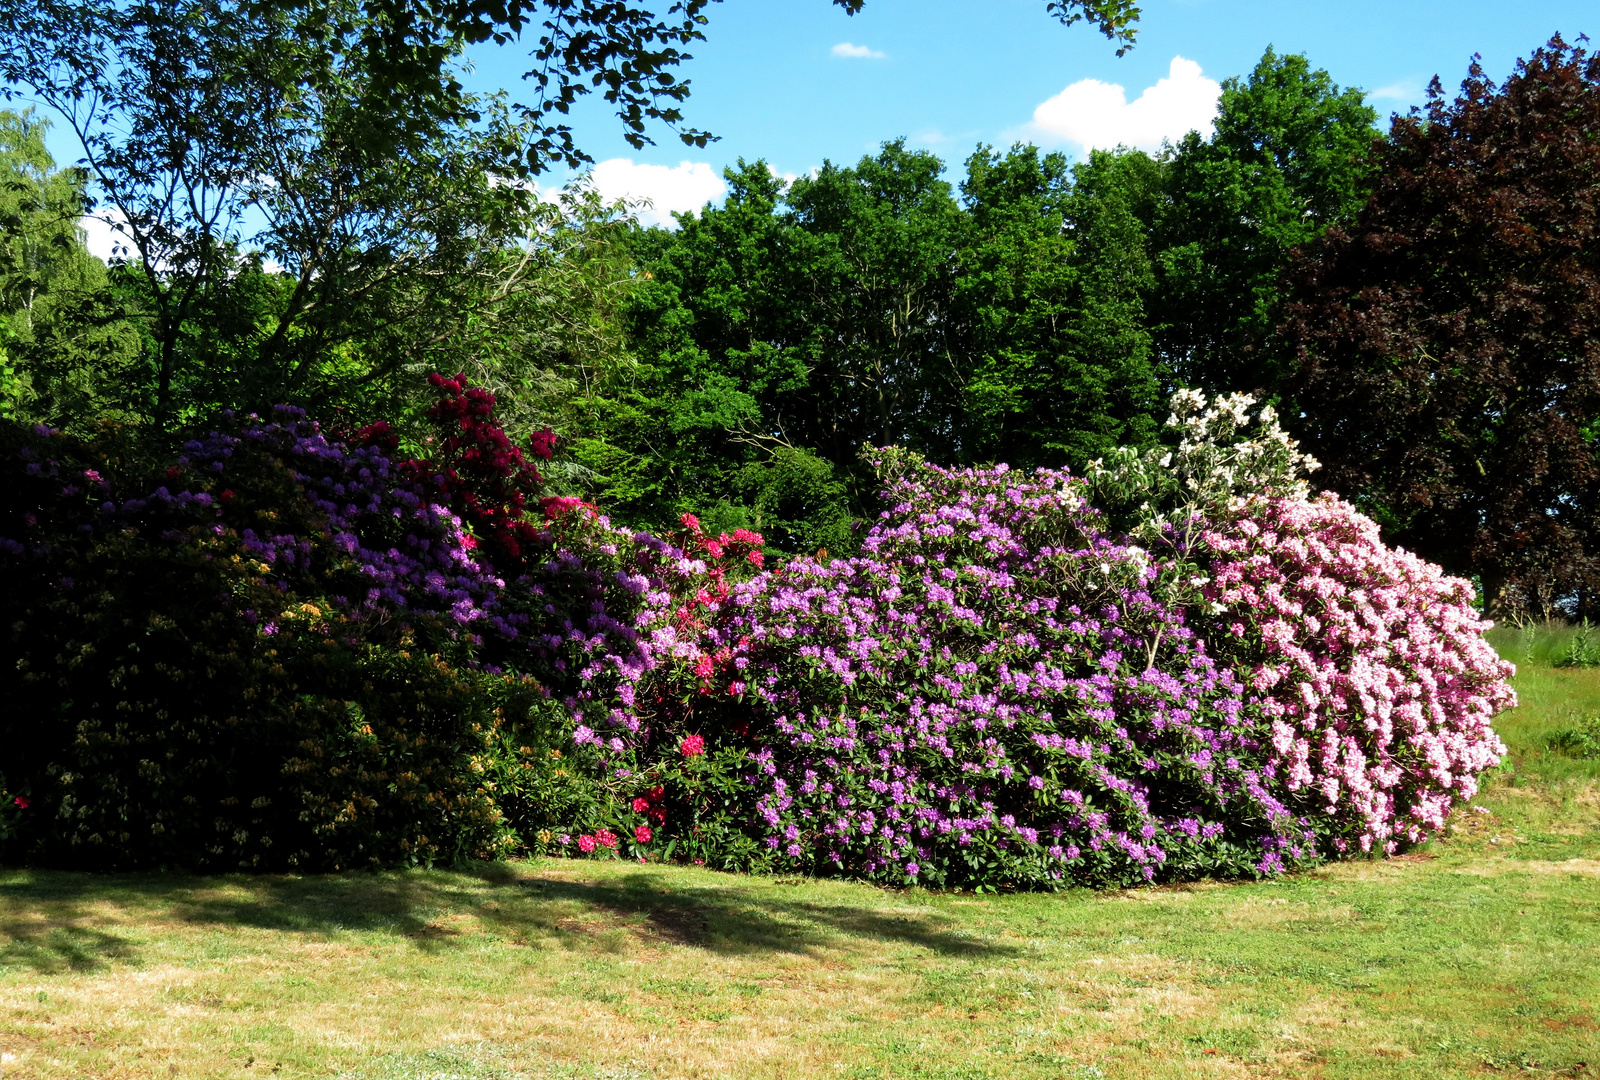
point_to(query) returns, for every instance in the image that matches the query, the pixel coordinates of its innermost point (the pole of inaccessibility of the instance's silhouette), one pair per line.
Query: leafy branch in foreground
(277, 247)
(627, 52)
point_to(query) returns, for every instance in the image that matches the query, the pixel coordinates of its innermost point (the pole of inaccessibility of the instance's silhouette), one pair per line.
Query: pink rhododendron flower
(641, 833)
(586, 843)
(556, 506)
(1378, 685)
(692, 746)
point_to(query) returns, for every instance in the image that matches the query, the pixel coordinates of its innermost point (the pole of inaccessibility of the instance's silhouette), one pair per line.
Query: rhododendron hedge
(1002, 688)
(279, 649)
(995, 691)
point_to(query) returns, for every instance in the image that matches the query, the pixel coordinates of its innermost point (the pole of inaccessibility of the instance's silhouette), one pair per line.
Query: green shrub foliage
(154, 718)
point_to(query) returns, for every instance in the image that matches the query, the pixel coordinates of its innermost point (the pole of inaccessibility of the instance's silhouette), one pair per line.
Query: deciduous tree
(277, 248)
(1446, 341)
(1288, 158)
(1048, 324)
(59, 329)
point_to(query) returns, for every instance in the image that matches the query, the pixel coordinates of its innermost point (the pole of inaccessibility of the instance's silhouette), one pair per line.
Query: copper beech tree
(1448, 340)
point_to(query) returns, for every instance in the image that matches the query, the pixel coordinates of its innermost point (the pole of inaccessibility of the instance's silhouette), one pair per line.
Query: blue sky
(949, 74)
(776, 80)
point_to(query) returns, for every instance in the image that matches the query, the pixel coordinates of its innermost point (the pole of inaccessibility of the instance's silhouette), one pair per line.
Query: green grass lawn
(1478, 956)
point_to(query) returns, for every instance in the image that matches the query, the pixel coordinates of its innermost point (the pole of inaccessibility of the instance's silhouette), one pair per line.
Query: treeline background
(1418, 299)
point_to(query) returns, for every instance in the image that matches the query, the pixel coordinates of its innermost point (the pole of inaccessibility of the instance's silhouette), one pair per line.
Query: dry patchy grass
(1467, 962)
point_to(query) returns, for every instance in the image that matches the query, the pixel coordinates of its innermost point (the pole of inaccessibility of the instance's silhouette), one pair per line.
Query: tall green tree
(1048, 317)
(784, 332)
(1446, 345)
(40, 207)
(278, 249)
(1289, 158)
(63, 340)
(777, 335)
(871, 273)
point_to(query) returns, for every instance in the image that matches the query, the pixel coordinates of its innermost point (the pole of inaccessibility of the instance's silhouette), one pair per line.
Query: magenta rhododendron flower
(585, 843)
(556, 506)
(641, 833)
(692, 746)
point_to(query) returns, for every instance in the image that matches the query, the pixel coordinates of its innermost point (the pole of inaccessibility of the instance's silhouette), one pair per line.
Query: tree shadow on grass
(754, 918)
(56, 945)
(54, 921)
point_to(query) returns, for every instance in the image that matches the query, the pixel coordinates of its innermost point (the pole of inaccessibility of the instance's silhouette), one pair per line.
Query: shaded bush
(178, 696)
(1580, 740)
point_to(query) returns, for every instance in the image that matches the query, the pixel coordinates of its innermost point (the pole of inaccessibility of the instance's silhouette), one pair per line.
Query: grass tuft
(1581, 740)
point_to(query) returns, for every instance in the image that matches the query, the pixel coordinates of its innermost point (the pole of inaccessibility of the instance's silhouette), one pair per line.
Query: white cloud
(684, 187)
(856, 52)
(1099, 116)
(102, 236)
(1400, 91)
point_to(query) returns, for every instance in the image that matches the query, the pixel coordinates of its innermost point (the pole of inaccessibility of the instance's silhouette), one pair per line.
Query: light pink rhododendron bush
(1374, 672)
(1368, 663)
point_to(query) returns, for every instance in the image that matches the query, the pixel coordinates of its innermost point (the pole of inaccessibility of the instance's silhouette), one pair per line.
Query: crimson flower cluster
(603, 839)
(649, 804)
(477, 470)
